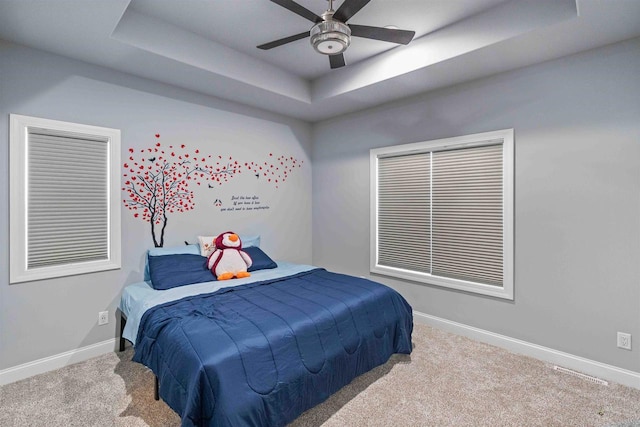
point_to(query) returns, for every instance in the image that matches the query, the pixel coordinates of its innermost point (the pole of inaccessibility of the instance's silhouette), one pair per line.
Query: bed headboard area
(177, 189)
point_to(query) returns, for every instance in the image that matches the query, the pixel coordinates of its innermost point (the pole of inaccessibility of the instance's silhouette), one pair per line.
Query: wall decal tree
(157, 182)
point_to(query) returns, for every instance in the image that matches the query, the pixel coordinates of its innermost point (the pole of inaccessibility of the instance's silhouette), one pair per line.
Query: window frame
(466, 141)
(18, 198)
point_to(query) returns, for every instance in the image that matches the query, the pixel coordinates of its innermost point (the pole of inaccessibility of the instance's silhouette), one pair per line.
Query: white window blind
(64, 192)
(404, 238)
(68, 200)
(442, 212)
(467, 214)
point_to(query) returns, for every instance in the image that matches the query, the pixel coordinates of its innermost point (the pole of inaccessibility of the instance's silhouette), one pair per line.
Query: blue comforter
(261, 354)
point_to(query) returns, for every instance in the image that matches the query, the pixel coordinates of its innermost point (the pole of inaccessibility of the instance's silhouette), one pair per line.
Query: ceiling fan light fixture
(330, 37)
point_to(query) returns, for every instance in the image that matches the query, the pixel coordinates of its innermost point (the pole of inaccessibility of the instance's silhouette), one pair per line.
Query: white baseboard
(61, 360)
(577, 363)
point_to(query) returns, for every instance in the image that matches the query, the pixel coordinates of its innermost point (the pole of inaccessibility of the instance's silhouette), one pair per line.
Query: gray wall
(577, 200)
(48, 317)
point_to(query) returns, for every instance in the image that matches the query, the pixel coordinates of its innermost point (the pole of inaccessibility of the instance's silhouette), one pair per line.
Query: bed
(259, 351)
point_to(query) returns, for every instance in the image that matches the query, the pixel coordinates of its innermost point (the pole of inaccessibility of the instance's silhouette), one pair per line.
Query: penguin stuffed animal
(229, 260)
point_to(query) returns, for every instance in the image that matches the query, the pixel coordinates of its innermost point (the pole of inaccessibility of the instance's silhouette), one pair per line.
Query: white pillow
(208, 243)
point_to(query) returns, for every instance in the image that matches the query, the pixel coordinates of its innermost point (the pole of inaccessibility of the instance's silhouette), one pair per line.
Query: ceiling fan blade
(348, 9)
(384, 34)
(336, 61)
(299, 10)
(285, 40)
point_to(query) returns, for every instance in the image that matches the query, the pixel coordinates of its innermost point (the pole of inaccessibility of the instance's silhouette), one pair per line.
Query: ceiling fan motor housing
(330, 37)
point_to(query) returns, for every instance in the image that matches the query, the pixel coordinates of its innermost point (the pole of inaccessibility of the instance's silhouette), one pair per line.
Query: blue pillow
(250, 241)
(186, 249)
(170, 271)
(261, 261)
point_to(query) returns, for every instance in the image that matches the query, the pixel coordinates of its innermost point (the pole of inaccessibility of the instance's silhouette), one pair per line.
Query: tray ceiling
(210, 46)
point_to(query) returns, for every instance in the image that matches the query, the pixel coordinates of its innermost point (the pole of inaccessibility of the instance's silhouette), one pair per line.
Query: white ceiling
(210, 46)
(242, 25)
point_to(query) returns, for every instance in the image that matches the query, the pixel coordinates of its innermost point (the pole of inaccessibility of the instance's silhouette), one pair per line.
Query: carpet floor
(448, 380)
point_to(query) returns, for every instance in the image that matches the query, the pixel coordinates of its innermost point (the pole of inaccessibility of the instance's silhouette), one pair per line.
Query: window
(64, 193)
(442, 212)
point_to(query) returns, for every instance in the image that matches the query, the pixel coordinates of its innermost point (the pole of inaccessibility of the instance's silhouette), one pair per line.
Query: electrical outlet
(624, 340)
(103, 318)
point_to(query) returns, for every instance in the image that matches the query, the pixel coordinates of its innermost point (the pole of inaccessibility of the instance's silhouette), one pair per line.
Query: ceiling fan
(331, 35)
